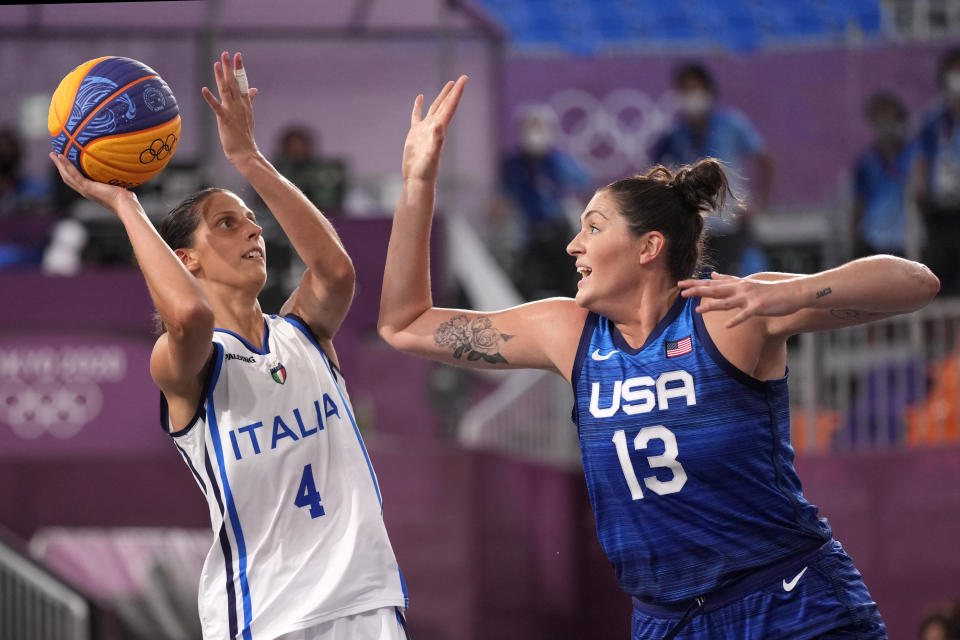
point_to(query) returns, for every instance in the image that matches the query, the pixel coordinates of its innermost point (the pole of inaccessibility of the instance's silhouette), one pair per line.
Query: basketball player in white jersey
(256, 404)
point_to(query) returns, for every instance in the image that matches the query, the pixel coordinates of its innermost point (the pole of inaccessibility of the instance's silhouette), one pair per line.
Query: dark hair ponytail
(177, 227)
(674, 204)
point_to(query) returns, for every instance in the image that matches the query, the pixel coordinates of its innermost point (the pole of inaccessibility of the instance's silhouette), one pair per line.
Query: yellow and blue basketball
(116, 120)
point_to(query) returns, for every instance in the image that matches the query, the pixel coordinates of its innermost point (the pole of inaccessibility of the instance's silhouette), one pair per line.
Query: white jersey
(299, 537)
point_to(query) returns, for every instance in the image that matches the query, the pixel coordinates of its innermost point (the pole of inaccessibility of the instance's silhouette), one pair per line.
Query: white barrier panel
(35, 605)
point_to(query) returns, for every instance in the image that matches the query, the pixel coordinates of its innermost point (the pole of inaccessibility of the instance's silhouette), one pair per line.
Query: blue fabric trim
(224, 547)
(228, 495)
(346, 405)
(301, 324)
(403, 586)
(263, 350)
(193, 469)
(402, 622)
(586, 336)
(746, 379)
(165, 410)
(672, 314)
(583, 347)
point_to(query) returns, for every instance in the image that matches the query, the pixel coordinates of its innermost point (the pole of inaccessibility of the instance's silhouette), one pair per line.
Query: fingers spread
(417, 114)
(227, 84)
(449, 106)
(440, 98)
(211, 100)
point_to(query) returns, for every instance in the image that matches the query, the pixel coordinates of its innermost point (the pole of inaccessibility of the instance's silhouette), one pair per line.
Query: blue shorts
(818, 595)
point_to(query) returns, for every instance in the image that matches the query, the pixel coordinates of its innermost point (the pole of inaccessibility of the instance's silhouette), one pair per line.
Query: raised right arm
(541, 335)
(181, 354)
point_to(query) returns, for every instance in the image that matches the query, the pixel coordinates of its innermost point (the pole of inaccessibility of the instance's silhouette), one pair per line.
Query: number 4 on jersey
(307, 494)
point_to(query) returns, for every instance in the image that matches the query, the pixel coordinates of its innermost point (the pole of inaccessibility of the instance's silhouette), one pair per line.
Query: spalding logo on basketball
(116, 120)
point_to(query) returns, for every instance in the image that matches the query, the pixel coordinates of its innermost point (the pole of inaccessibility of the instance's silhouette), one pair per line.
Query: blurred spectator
(542, 183)
(939, 177)
(881, 175)
(322, 180)
(940, 625)
(19, 194)
(24, 207)
(704, 129)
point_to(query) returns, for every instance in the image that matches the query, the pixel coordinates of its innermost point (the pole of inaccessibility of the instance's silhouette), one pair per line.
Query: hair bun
(703, 186)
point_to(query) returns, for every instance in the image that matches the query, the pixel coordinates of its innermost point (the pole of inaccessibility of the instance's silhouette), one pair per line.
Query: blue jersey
(687, 460)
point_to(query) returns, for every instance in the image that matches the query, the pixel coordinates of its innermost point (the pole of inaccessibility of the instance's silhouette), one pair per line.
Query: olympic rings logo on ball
(159, 149)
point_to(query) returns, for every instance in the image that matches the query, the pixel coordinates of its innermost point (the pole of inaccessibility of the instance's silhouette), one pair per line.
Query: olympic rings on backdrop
(612, 135)
(158, 149)
(61, 409)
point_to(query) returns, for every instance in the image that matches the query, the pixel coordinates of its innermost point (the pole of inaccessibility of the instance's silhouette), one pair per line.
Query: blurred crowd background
(838, 120)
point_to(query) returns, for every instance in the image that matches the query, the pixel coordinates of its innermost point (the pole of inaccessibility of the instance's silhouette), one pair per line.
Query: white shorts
(380, 624)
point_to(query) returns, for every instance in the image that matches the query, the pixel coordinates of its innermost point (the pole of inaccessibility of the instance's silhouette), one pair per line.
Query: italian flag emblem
(279, 373)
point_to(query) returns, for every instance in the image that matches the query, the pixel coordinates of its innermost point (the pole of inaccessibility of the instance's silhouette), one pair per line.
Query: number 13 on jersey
(667, 461)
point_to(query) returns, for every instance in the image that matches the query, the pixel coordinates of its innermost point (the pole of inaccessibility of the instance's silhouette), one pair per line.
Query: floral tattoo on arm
(475, 339)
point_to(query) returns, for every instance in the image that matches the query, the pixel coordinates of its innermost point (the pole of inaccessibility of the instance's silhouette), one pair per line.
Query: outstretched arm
(180, 355)
(326, 290)
(536, 335)
(786, 304)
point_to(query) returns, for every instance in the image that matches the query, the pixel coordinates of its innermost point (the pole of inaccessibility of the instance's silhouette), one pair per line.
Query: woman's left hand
(424, 143)
(234, 109)
(752, 296)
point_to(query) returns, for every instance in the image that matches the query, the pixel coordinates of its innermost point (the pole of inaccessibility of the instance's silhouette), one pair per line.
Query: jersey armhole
(300, 324)
(208, 383)
(744, 378)
(589, 325)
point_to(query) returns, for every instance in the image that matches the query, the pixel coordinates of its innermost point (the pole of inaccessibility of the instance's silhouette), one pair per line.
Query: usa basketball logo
(279, 373)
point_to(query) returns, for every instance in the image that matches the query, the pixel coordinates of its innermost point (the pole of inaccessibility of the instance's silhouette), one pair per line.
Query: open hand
(424, 144)
(107, 195)
(234, 109)
(752, 296)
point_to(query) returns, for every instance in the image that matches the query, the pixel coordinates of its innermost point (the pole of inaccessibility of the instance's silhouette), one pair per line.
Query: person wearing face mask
(880, 180)
(702, 130)
(680, 394)
(541, 183)
(19, 194)
(938, 176)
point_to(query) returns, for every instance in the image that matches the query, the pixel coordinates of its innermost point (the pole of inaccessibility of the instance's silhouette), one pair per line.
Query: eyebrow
(233, 212)
(591, 212)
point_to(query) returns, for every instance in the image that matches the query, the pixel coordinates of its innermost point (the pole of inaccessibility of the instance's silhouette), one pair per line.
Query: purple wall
(74, 354)
(356, 93)
(808, 105)
(493, 547)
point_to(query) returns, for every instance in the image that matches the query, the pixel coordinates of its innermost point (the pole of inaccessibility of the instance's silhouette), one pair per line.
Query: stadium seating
(585, 27)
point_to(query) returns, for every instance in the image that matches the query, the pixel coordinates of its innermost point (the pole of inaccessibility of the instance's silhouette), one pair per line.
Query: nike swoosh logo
(788, 586)
(597, 356)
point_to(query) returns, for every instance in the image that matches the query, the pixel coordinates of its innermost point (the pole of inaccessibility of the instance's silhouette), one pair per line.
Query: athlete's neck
(649, 307)
(236, 311)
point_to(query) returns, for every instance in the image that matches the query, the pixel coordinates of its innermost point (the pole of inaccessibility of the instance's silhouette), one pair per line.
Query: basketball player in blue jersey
(680, 396)
(256, 404)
